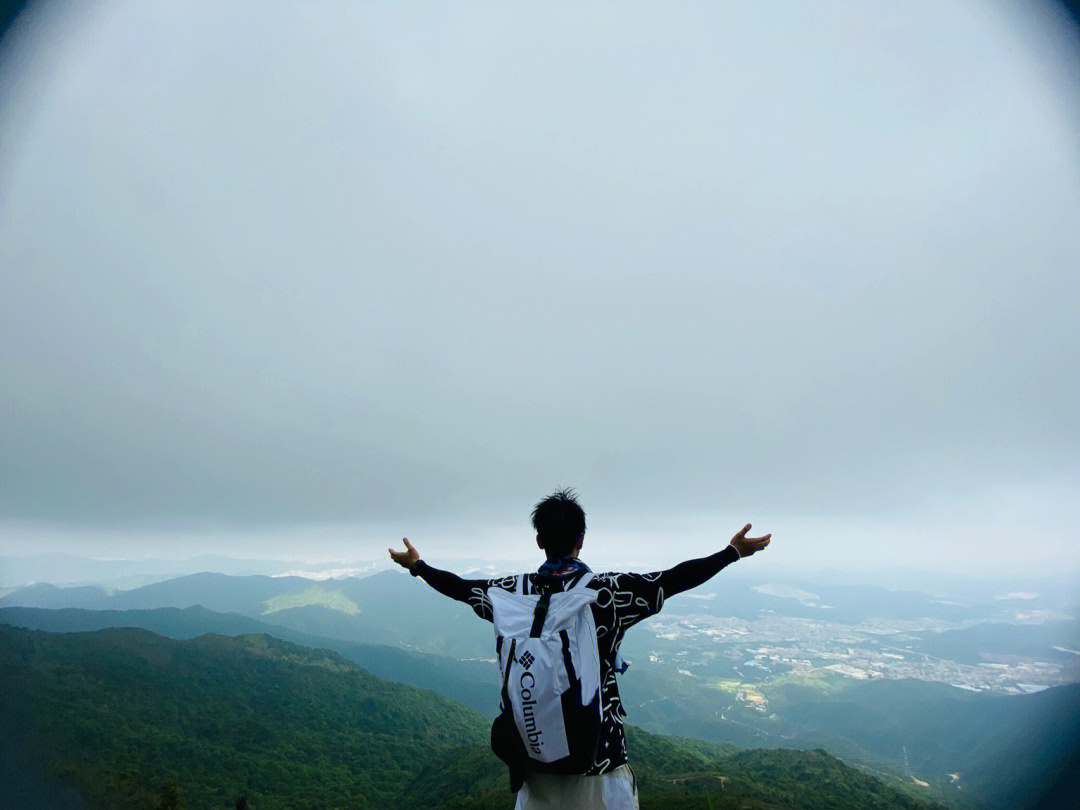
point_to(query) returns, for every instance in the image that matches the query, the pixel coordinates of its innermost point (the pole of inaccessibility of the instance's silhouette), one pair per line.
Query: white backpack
(549, 665)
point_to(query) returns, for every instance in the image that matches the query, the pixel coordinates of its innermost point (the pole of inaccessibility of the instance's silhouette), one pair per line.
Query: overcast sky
(298, 279)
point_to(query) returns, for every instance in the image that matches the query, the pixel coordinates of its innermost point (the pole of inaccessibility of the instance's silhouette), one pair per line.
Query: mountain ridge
(126, 713)
(848, 718)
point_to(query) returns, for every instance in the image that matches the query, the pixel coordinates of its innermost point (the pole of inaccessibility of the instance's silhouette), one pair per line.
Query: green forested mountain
(122, 712)
(136, 720)
(675, 773)
(1004, 750)
(171, 622)
(471, 682)
(974, 749)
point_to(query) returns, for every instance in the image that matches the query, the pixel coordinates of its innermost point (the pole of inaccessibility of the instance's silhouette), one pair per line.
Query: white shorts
(614, 790)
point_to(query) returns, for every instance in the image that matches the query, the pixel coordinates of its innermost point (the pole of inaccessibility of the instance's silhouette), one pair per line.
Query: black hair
(559, 521)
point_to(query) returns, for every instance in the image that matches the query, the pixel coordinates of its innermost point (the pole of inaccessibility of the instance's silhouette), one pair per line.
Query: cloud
(268, 266)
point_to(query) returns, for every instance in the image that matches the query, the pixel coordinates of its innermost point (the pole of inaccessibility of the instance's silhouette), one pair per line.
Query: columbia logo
(526, 660)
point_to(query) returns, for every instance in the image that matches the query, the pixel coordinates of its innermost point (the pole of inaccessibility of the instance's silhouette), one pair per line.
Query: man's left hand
(749, 545)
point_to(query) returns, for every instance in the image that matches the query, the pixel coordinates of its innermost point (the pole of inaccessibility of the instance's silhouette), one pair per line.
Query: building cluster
(775, 645)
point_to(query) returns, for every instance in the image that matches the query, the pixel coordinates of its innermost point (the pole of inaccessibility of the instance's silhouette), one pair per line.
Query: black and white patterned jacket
(624, 599)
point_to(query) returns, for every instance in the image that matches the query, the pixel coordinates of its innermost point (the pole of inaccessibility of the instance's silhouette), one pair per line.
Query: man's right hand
(748, 545)
(407, 558)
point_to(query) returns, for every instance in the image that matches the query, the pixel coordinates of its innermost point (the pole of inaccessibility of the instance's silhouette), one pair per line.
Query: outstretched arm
(639, 596)
(472, 592)
(690, 574)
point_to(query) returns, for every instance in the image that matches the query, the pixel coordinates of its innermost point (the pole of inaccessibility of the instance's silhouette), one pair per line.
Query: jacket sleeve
(473, 592)
(638, 596)
(690, 574)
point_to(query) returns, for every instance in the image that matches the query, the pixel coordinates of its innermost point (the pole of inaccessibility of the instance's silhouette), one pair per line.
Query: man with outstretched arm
(623, 599)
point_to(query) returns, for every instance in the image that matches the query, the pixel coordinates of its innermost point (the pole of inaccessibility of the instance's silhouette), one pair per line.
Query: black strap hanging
(539, 615)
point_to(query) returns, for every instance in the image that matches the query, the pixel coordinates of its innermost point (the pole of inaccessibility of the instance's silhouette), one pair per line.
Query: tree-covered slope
(974, 750)
(471, 682)
(1004, 749)
(134, 720)
(121, 712)
(679, 774)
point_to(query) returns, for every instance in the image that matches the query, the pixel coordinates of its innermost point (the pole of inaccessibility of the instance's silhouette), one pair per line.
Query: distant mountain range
(130, 719)
(738, 594)
(70, 569)
(386, 608)
(393, 609)
(354, 607)
(1054, 588)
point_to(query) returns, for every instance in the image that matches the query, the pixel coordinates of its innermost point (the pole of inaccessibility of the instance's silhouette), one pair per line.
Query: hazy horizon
(295, 278)
(56, 567)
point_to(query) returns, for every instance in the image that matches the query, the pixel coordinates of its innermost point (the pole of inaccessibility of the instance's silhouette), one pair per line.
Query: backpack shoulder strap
(585, 580)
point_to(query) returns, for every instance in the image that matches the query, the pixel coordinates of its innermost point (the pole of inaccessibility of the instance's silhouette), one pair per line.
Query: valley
(892, 683)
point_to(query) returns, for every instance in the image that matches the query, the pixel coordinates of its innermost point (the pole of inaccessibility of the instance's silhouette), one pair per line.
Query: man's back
(623, 600)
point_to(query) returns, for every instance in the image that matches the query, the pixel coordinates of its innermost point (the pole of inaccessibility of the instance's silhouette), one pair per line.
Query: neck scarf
(562, 567)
